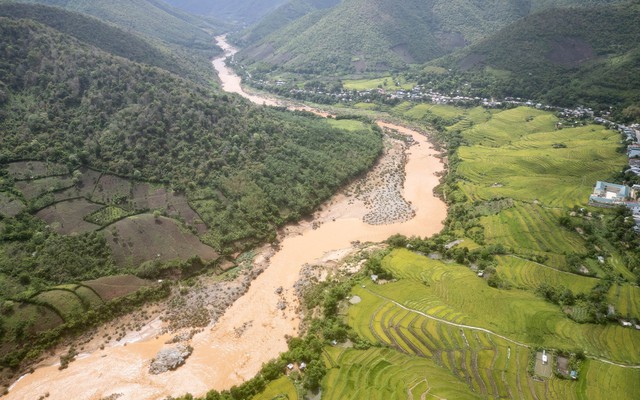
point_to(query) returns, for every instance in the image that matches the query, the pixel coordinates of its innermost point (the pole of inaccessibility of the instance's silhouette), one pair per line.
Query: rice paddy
(481, 335)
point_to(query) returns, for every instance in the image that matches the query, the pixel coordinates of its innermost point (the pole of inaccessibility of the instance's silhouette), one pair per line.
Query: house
(609, 194)
(626, 324)
(545, 358)
(574, 375)
(633, 153)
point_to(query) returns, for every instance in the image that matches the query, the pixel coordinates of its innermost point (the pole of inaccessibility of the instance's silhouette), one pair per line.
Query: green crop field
(107, 215)
(626, 300)
(526, 274)
(533, 229)
(386, 374)
(480, 334)
(280, 389)
(530, 169)
(66, 302)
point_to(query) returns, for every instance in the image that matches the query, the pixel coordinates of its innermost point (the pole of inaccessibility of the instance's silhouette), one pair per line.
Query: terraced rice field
(626, 300)
(529, 275)
(530, 169)
(482, 336)
(509, 125)
(533, 229)
(455, 294)
(386, 374)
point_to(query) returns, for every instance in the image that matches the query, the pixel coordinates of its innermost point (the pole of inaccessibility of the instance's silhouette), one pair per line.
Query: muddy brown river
(222, 358)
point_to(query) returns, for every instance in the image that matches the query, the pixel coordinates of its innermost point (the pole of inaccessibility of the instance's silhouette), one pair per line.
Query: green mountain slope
(374, 35)
(281, 17)
(152, 18)
(564, 56)
(246, 11)
(94, 32)
(63, 101)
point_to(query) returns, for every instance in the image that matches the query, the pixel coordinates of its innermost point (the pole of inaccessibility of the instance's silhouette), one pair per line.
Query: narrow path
(477, 328)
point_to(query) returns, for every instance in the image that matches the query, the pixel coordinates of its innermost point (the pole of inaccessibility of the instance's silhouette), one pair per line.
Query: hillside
(242, 11)
(280, 17)
(152, 18)
(94, 32)
(361, 36)
(561, 56)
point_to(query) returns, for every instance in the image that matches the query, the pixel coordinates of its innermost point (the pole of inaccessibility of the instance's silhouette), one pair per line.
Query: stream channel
(222, 358)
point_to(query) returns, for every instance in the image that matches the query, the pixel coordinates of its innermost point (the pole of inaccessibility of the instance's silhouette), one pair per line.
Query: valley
(221, 358)
(369, 200)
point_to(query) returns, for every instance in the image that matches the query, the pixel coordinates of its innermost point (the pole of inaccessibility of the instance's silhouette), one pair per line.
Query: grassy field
(347, 124)
(111, 287)
(280, 389)
(65, 302)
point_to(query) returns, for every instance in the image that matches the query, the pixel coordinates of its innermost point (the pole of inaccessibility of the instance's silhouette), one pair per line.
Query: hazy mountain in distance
(243, 11)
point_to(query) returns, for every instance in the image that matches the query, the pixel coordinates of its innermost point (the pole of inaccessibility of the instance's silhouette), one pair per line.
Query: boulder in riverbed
(169, 359)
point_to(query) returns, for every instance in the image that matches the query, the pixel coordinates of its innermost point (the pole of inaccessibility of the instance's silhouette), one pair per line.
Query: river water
(222, 357)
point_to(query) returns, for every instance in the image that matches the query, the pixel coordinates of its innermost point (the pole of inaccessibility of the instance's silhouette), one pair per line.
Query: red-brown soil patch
(144, 237)
(67, 217)
(112, 189)
(35, 169)
(112, 287)
(38, 187)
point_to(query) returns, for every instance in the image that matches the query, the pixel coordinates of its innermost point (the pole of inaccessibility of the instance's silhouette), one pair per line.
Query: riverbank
(397, 193)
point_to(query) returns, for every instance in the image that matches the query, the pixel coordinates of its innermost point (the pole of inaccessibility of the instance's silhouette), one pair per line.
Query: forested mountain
(374, 35)
(94, 32)
(246, 11)
(67, 102)
(587, 56)
(282, 16)
(153, 18)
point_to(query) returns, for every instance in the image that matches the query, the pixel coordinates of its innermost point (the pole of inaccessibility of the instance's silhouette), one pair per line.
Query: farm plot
(604, 381)
(530, 169)
(532, 229)
(526, 274)
(281, 388)
(454, 293)
(23, 170)
(386, 374)
(509, 125)
(37, 187)
(112, 287)
(67, 217)
(39, 318)
(144, 237)
(9, 205)
(112, 189)
(626, 300)
(107, 215)
(65, 302)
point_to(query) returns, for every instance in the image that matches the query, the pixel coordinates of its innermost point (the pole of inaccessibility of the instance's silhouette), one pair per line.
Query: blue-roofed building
(609, 194)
